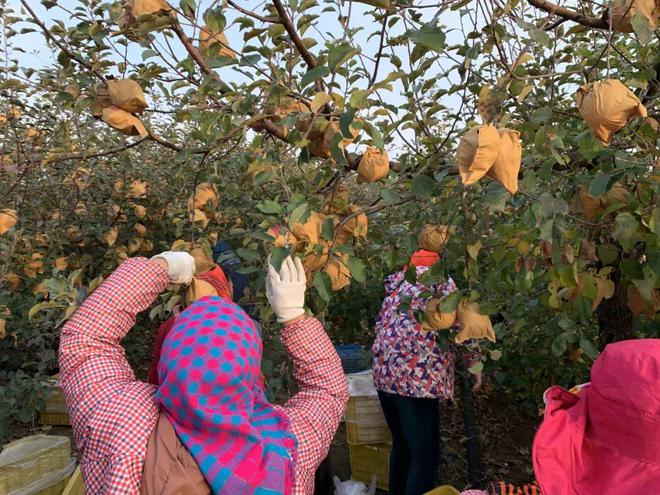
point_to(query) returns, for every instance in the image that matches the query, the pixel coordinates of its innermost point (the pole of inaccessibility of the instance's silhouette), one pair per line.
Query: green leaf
(477, 368)
(429, 36)
(640, 25)
(608, 254)
(646, 286)
(328, 230)
(357, 269)
(631, 269)
(277, 256)
(450, 302)
(375, 134)
(389, 196)
(588, 348)
(270, 207)
(188, 7)
(247, 254)
(345, 121)
(496, 354)
(551, 206)
(314, 75)
(41, 306)
(323, 285)
(625, 228)
(358, 98)
(339, 54)
(541, 115)
(559, 345)
(298, 214)
(598, 185)
(423, 186)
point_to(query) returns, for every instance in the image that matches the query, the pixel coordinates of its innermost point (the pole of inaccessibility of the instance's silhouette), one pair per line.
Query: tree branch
(272, 20)
(68, 52)
(288, 25)
(571, 15)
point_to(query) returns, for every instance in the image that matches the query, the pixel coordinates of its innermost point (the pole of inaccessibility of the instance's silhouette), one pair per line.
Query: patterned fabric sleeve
(111, 413)
(393, 281)
(316, 410)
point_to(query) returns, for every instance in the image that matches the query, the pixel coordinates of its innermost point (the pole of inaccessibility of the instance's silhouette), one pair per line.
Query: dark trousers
(415, 427)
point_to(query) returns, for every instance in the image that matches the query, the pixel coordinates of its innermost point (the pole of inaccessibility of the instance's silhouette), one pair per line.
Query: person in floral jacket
(412, 373)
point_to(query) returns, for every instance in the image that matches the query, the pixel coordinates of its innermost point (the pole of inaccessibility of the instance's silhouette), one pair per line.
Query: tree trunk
(615, 320)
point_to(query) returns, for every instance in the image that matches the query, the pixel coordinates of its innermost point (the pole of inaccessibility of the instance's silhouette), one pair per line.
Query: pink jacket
(113, 414)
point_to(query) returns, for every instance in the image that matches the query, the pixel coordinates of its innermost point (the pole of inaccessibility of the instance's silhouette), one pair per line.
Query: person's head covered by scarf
(211, 393)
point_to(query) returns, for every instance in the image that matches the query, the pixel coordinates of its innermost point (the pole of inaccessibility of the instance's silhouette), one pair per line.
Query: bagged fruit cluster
(116, 102)
(307, 239)
(593, 207)
(473, 325)
(134, 9)
(214, 44)
(607, 107)
(624, 11)
(203, 202)
(435, 319)
(486, 150)
(433, 237)
(374, 166)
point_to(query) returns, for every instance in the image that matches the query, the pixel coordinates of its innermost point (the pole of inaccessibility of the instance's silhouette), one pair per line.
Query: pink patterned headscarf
(211, 393)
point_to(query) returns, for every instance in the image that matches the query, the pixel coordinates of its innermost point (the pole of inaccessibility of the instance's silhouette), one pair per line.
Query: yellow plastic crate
(54, 418)
(55, 413)
(369, 460)
(35, 464)
(365, 422)
(75, 485)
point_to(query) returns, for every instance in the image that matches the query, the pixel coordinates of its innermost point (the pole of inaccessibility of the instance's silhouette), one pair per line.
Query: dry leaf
(204, 193)
(8, 219)
(62, 263)
(138, 189)
(111, 236)
(13, 280)
(3, 329)
(34, 266)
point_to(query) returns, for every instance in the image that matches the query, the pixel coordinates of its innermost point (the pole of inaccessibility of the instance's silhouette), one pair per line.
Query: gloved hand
(286, 291)
(180, 266)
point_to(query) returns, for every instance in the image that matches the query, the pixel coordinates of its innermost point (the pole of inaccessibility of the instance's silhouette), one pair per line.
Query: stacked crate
(55, 413)
(36, 465)
(369, 438)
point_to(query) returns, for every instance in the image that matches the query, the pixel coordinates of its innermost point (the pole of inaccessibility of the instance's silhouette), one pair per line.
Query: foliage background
(414, 74)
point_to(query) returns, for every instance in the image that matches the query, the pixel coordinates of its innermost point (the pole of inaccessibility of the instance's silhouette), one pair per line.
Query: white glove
(286, 291)
(180, 266)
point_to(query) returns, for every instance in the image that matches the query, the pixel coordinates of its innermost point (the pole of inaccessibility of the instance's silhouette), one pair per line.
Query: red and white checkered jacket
(113, 414)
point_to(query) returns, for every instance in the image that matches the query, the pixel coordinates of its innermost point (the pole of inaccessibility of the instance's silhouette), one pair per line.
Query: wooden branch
(571, 15)
(380, 51)
(288, 25)
(113, 151)
(193, 52)
(272, 20)
(68, 52)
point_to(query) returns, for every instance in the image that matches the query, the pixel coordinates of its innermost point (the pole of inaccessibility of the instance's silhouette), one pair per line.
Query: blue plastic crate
(354, 357)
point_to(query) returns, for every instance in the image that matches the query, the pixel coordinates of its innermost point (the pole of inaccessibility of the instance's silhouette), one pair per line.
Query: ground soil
(505, 437)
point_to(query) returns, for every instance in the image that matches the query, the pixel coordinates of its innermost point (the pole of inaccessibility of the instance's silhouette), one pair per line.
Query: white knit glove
(286, 291)
(180, 266)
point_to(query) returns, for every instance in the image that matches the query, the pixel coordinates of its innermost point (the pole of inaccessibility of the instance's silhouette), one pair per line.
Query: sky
(36, 54)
